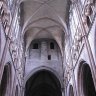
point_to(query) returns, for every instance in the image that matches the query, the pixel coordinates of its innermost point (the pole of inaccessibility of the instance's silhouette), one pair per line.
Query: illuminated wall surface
(47, 47)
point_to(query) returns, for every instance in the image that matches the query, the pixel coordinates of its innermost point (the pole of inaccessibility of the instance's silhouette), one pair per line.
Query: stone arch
(47, 69)
(28, 23)
(58, 42)
(43, 29)
(43, 82)
(42, 19)
(61, 22)
(5, 86)
(85, 81)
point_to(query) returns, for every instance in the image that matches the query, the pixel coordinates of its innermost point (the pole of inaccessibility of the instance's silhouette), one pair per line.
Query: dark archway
(43, 83)
(16, 91)
(5, 82)
(71, 93)
(86, 85)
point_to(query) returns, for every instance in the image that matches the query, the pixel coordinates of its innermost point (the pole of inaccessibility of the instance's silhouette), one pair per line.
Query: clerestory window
(51, 45)
(35, 46)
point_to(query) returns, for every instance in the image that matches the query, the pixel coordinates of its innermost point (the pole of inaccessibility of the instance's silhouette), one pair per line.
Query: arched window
(35, 46)
(51, 45)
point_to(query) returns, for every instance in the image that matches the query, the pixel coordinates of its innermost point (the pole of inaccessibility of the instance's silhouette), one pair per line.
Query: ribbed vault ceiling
(44, 19)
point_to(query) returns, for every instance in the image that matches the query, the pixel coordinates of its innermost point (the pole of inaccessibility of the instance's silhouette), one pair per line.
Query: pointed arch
(5, 86)
(44, 68)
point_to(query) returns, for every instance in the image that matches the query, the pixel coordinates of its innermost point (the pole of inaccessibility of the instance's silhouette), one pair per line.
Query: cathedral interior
(47, 47)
